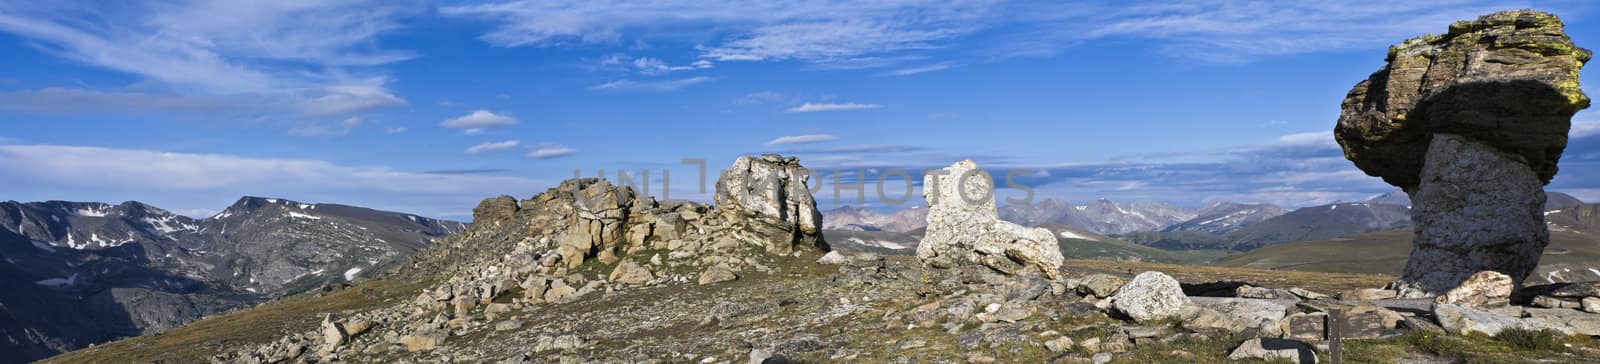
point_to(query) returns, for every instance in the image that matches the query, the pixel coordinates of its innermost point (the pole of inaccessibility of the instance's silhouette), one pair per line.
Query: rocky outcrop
(770, 195)
(964, 228)
(581, 239)
(1471, 124)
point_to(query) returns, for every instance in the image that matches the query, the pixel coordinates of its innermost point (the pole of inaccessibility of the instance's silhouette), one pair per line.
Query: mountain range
(1216, 226)
(78, 273)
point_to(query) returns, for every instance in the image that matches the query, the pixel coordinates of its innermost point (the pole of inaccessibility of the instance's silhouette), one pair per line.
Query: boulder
(333, 334)
(1484, 288)
(717, 274)
(770, 195)
(1150, 296)
(629, 272)
(1309, 327)
(964, 229)
(1463, 320)
(833, 258)
(1591, 304)
(1471, 124)
(1275, 349)
(1100, 285)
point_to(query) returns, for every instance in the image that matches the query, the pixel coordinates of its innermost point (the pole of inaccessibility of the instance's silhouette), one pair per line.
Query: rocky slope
(131, 269)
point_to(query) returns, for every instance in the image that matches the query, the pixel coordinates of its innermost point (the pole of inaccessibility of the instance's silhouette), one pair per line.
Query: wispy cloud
(657, 86)
(813, 32)
(491, 147)
(918, 69)
(1231, 32)
(394, 130)
(802, 139)
(312, 58)
(319, 129)
(76, 100)
(824, 106)
(548, 151)
(478, 120)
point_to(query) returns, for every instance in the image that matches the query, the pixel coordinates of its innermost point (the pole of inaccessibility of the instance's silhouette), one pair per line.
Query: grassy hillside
(1569, 255)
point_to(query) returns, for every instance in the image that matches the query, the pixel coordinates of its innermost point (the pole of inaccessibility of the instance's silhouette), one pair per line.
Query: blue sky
(427, 107)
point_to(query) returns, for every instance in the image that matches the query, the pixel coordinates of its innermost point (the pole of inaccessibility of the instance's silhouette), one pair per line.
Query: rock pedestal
(1477, 208)
(964, 228)
(1471, 124)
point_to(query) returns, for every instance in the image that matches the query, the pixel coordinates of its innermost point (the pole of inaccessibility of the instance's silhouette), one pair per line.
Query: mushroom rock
(1471, 125)
(770, 196)
(964, 229)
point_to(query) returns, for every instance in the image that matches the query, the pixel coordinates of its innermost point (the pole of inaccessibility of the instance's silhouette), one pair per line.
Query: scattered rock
(965, 229)
(1150, 296)
(1307, 294)
(1101, 358)
(1591, 304)
(1274, 349)
(507, 325)
(422, 341)
(1059, 345)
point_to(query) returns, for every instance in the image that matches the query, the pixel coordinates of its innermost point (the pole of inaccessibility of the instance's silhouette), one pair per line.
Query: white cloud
(478, 120)
(1320, 138)
(657, 86)
(918, 69)
(548, 151)
(491, 147)
(395, 130)
(802, 139)
(1583, 129)
(815, 107)
(315, 58)
(318, 129)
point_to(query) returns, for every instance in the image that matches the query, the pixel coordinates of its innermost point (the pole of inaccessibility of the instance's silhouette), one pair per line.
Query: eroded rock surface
(771, 195)
(964, 228)
(1471, 124)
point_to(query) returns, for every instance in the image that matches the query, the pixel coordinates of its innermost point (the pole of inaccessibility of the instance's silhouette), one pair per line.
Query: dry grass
(1320, 282)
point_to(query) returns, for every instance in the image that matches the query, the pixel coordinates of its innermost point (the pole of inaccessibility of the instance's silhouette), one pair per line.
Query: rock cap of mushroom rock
(1508, 79)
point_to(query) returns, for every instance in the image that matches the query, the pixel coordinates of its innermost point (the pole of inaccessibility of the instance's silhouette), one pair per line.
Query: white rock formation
(771, 194)
(965, 229)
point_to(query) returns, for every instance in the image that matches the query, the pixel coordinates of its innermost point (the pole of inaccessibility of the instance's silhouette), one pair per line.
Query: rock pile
(1471, 124)
(583, 237)
(966, 234)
